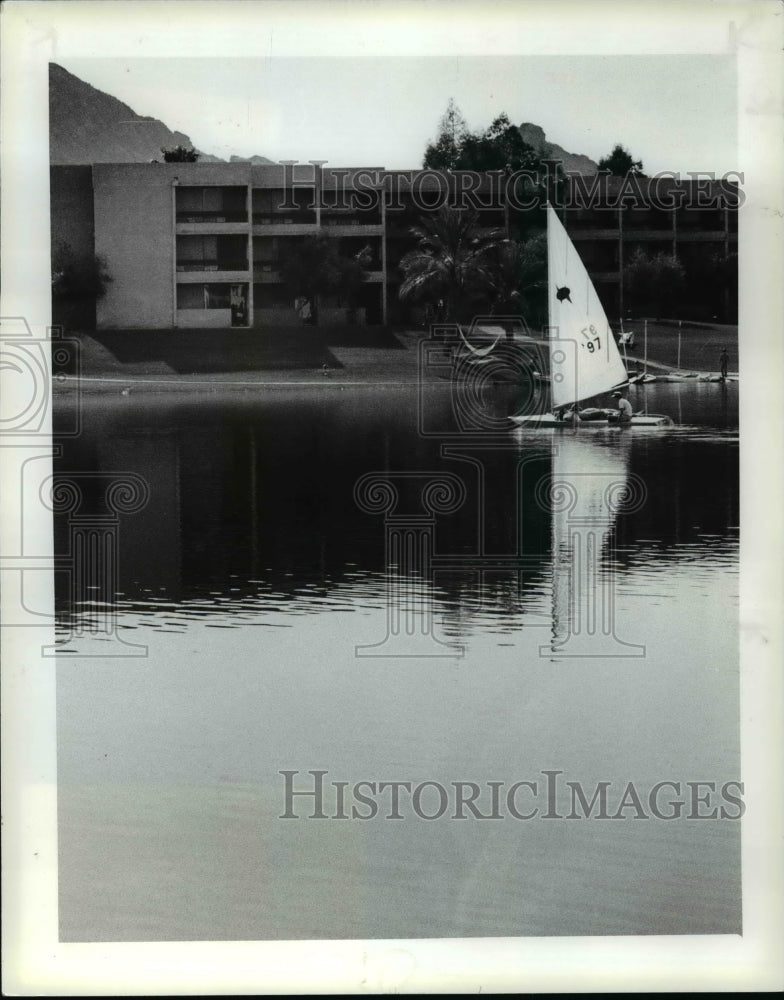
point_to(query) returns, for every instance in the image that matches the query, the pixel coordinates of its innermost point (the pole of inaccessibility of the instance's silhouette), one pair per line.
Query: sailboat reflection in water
(589, 487)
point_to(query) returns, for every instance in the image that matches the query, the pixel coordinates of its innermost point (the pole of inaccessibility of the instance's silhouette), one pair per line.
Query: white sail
(584, 359)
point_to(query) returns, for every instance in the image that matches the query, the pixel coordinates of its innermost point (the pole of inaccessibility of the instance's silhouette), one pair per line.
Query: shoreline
(133, 385)
(142, 364)
(97, 384)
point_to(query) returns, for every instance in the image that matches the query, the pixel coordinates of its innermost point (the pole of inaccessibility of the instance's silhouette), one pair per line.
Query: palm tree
(451, 268)
(519, 279)
(313, 268)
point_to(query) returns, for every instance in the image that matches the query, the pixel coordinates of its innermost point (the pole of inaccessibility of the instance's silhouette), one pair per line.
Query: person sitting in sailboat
(624, 415)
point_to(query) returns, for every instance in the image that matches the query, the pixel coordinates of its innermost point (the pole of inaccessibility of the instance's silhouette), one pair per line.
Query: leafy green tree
(450, 269)
(620, 163)
(499, 147)
(444, 153)
(179, 154)
(310, 269)
(654, 284)
(78, 281)
(313, 268)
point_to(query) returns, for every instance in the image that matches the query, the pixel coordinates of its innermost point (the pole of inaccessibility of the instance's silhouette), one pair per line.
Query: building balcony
(578, 235)
(194, 277)
(211, 227)
(216, 216)
(705, 236)
(266, 274)
(212, 265)
(351, 227)
(369, 216)
(275, 225)
(649, 235)
(295, 217)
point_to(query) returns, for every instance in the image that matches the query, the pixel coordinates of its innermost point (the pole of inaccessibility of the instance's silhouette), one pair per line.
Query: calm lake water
(560, 602)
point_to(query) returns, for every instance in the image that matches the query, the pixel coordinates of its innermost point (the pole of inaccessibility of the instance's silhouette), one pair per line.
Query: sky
(674, 112)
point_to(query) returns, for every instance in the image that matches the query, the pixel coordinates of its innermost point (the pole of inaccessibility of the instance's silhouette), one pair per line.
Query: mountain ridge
(87, 125)
(576, 163)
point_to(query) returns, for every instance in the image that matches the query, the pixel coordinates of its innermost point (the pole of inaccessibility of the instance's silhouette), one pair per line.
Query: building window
(599, 255)
(212, 253)
(591, 218)
(700, 218)
(651, 218)
(212, 204)
(265, 249)
(204, 296)
(277, 205)
(218, 296)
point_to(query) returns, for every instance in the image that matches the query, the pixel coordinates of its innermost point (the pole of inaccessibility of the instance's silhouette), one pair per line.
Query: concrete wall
(72, 237)
(71, 208)
(134, 233)
(204, 319)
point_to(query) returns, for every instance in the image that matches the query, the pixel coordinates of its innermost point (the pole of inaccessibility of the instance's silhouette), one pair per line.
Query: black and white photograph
(391, 497)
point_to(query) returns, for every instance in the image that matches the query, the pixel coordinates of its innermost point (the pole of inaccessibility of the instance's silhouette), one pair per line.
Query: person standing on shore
(724, 361)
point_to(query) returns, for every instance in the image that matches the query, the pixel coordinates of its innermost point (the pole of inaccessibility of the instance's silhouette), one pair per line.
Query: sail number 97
(592, 341)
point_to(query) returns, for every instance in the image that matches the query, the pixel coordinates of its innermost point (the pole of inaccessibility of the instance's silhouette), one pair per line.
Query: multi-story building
(695, 221)
(199, 245)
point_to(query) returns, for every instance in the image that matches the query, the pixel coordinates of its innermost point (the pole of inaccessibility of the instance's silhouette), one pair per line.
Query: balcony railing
(282, 218)
(350, 220)
(225, 215)
(212, 265)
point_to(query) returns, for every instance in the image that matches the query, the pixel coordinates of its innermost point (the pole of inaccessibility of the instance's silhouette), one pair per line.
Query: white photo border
(37, 33)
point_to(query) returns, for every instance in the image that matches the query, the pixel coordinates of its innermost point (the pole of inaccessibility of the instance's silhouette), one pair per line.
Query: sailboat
(584, 358)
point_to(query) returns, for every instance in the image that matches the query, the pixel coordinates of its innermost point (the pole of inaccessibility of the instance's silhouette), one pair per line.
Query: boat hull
(549, 420)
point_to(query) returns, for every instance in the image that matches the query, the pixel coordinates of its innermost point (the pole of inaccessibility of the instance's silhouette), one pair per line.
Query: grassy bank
(279, 355)
(700, 345)
(350, 354)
